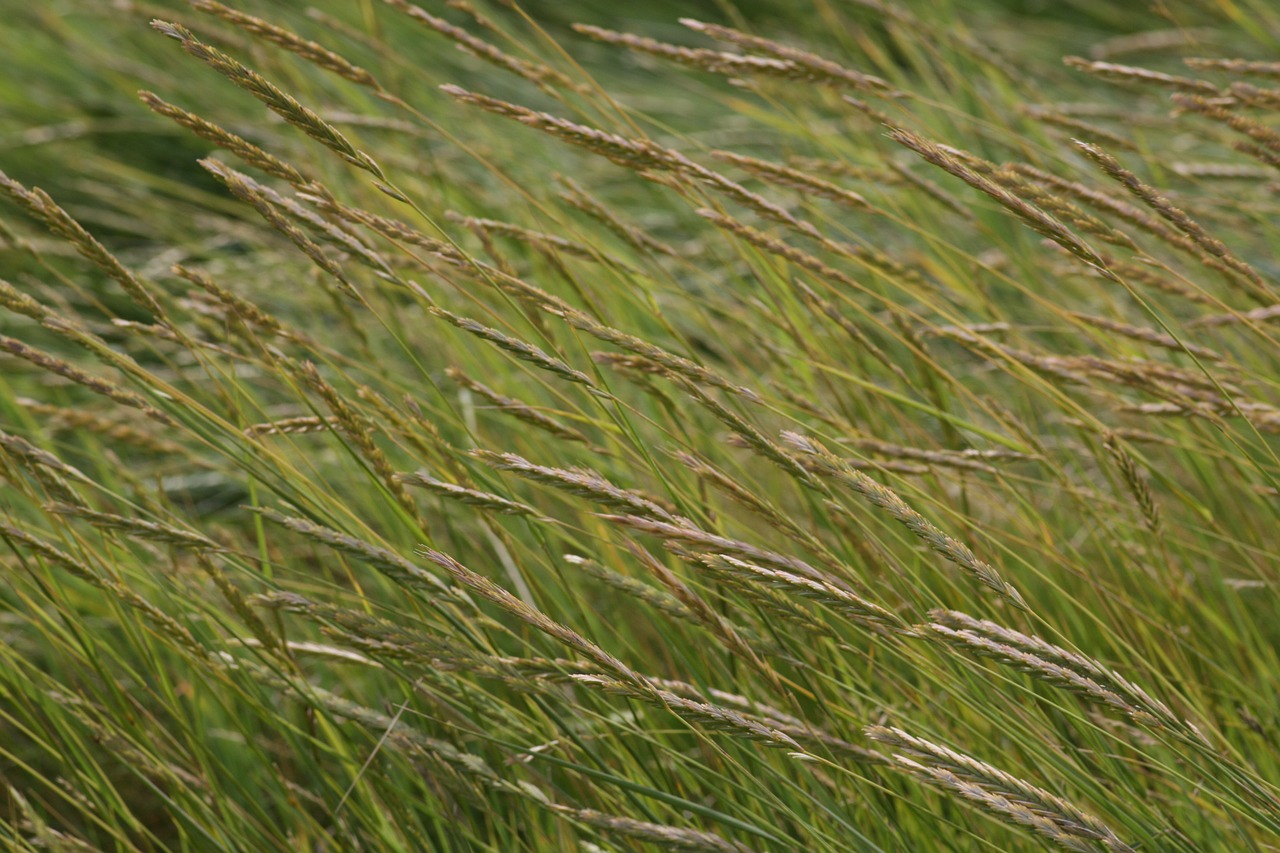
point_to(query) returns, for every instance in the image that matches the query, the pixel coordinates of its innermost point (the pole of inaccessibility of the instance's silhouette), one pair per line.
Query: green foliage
(848, 428)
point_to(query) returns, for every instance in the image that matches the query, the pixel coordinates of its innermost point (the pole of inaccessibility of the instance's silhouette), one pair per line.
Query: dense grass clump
(842, 428)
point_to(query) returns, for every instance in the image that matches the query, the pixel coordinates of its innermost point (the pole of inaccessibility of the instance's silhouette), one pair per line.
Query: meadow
(474, 425)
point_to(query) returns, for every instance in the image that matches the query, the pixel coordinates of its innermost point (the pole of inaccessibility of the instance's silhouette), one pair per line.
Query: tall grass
(855, 430)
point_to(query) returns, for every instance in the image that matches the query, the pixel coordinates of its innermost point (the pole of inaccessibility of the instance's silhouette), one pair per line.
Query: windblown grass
(630, 435)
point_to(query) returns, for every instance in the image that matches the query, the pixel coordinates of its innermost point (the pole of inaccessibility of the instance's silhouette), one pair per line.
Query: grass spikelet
(520, 349)
(677, 364)
(1257, 315)
(392, 565)
(48, 470)
(1178, 218)
(37, 203)
(882, 496)
(1006, 795)
(1257, 131)
(662, 835)
(1235, 66)
(1151, 41)
(292, 42)
(537, 73)
(714, 717)
(481, 225)
(1136, 481)
(115, 427)
(839, 600)
(490, 591)
(658, 599)
(471, 497)
(579, 198)
(1150, 336)
(702, 540)
(1134, 74)
(283, 105)
(292, 426)
(516, 409)
(715, 61)
(66, 370)
(581, 482)
(248, 152)
(1035, 218)
(247, 190)
(234, 393)
(152, 531)
(20, 303)
(1063, 668)
(162, 621)
(359, 431)
(819, 69)
(794, 179)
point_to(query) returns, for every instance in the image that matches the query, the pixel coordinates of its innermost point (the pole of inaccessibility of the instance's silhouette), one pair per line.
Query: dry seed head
(165, 623)
(520, 349)
(292, 42)
(527, 235)
(715, 61)
(815, 67)
(1234, 66)
(582, 482)
(535, 72)
(1069, 820)
(661, 835)
(640, 155)
(756, 504)
(1011, 798)
(248, 190)
(656, 598)
(392, 565)
(516, 409)
(1134, 74)
(242, 148)
(677, 364)
(112, 427)
(359, 431)
(579, 198)
(840, 600)
(499, 596)
(1136, 480)
(40, 206)
(1223, 171)
(713, 716)
(794, 179)
(1255, 130)
(1079, 127)
(1153, 40)
(636, 154)
(1066, 668)
(882, 496)
(1257, 315)
(20, 303)
(1039, 221)
(149, 530)
(471, 497)
(272, 97)
(1178, 218)
(705, 615)
(57, 366)
(291, 426)
(1150, 336)
(704, 541)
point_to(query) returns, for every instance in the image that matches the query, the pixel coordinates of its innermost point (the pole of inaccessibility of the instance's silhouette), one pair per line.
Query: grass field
(847, 425)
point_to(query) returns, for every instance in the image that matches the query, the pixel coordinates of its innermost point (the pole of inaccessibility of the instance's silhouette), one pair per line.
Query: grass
(854, 430)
